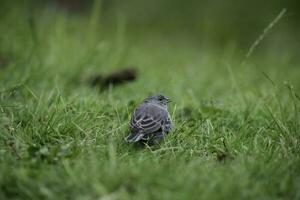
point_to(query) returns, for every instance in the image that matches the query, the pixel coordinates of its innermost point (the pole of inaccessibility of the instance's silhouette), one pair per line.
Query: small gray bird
(150, 120)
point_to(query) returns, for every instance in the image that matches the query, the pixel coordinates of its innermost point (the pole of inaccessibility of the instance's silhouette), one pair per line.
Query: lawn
(236, 121)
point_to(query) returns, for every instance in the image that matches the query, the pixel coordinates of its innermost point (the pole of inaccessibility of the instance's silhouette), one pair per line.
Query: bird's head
(158, 99)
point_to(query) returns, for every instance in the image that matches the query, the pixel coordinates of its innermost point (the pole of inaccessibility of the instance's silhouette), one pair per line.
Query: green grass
(236, 128)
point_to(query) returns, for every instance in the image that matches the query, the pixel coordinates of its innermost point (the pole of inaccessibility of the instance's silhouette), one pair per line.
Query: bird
(150, 120)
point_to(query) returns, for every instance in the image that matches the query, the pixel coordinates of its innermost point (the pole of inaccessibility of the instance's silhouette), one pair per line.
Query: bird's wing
(147, 119)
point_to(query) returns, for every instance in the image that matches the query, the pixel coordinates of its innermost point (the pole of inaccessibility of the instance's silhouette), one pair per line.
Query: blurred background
(101, 35)
(207, 22)
(216, 21)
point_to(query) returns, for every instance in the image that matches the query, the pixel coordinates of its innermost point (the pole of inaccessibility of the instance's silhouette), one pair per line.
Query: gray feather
(149, 120)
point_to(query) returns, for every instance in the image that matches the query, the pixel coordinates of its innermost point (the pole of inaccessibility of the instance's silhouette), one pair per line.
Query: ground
(236, 122)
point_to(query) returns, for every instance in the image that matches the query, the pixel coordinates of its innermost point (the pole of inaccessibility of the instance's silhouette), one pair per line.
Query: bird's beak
(169, 100)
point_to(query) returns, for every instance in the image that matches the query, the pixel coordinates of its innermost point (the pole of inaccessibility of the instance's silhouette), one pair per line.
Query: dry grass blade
(263, 34)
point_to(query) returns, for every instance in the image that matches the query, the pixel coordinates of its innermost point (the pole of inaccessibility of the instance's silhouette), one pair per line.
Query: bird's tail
(134, 137)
